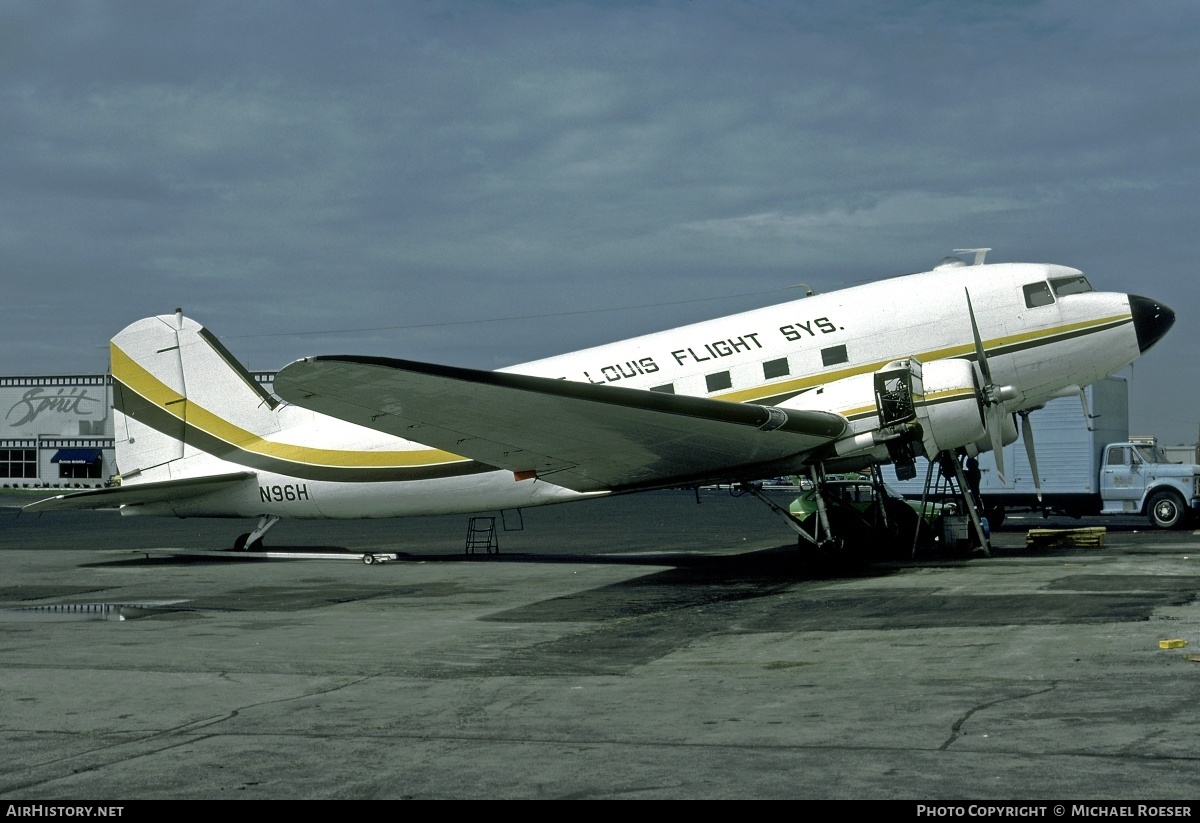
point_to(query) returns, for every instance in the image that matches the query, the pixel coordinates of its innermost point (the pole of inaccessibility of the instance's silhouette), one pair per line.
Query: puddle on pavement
(68, 612)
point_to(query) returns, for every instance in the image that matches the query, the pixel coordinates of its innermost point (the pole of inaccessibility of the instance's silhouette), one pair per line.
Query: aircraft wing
(134, 493)
(577, 435)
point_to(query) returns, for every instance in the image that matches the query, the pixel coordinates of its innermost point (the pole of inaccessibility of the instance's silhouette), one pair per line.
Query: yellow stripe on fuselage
(804, 383)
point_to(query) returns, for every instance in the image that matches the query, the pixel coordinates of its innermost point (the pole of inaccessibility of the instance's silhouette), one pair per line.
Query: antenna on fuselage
(979, 254)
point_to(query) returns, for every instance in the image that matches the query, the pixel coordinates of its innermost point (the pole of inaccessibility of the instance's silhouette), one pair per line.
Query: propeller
(993, 395)
(1027, 436)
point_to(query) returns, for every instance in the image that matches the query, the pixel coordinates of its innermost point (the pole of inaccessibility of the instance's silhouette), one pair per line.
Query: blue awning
(76, 457)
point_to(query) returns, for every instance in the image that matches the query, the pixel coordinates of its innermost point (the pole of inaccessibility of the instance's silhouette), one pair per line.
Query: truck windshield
(1150, 454)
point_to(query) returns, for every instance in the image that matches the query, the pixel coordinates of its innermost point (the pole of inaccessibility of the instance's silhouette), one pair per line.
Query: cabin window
(1038, 294)
(833, 355)
(718, 381)
(1118, 456)
(775, 368)
(1070, 285)
(666, 388)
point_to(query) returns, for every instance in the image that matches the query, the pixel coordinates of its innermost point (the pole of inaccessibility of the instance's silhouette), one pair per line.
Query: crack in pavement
(956, 728)
(113, 753)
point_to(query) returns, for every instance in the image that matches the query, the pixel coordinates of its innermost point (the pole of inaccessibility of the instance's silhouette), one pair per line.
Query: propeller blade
(1027, 436)
(980, 356)
(995, 429)
(993, 395)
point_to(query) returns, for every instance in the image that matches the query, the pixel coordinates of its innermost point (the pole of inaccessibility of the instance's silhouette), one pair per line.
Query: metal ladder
(481, 534)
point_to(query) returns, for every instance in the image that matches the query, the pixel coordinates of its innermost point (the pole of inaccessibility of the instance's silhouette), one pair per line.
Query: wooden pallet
(1045, 538)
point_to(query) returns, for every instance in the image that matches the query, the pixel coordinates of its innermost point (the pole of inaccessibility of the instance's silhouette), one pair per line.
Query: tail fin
(179, 399)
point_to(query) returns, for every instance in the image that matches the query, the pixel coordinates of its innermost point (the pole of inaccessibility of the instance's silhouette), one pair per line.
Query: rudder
(179, 397)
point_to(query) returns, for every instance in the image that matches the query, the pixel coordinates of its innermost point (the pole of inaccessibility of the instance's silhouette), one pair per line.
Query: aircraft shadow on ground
(785, 562)
(789, 589)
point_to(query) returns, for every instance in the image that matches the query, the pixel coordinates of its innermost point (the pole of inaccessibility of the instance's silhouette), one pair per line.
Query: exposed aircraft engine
(907, 408)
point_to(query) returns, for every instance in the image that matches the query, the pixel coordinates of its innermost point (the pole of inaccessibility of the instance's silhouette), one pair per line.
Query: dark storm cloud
(283, 168)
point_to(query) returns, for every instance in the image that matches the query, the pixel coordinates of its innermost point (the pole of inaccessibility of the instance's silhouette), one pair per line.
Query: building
(57, 431)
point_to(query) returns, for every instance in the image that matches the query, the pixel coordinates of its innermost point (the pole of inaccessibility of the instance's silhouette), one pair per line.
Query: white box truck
(1087, 467)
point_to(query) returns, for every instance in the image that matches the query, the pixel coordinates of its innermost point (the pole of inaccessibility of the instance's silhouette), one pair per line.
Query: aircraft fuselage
(1045, 332)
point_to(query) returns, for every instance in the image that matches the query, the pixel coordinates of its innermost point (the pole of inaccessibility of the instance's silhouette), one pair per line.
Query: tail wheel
(1166, 510)
(240, 543)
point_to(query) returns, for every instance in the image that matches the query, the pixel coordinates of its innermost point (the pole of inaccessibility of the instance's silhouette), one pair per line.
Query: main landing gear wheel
(994, 515)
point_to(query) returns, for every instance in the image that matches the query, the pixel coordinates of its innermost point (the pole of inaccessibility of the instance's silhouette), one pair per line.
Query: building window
(18, 463)
(833, 355)
(776, 368)
(668, 388)
(718, 381)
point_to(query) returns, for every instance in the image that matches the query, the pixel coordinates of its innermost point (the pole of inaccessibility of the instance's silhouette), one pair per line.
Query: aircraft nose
(1151, 320)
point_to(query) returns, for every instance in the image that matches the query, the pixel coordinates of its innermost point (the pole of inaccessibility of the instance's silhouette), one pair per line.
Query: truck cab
(1136, 477)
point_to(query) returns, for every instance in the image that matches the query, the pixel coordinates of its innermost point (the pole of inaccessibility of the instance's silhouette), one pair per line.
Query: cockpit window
(1038, 294)
(1070, 285)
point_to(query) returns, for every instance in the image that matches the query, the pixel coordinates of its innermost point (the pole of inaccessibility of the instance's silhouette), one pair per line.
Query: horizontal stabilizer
(138, 493)
(580, 436)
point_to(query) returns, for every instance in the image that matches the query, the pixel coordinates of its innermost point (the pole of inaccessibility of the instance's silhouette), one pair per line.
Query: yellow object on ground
(1091, 536)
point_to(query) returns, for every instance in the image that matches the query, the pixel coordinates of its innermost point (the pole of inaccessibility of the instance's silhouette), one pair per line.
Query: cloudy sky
(485, 183)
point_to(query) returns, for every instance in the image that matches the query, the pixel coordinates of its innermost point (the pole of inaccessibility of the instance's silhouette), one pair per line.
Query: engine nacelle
(950, 408)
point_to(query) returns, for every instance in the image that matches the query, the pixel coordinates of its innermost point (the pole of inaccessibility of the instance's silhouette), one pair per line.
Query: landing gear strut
(822, 536)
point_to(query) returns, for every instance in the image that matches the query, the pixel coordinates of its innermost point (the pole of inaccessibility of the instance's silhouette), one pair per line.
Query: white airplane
(915, 365)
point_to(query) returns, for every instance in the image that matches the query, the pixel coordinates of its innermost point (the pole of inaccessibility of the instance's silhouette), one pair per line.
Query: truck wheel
(1165, 510)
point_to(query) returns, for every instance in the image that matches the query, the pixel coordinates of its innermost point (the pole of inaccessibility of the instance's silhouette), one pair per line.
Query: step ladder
(481, 534)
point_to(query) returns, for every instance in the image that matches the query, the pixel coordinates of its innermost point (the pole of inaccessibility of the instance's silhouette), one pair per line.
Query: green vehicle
(879, 519)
